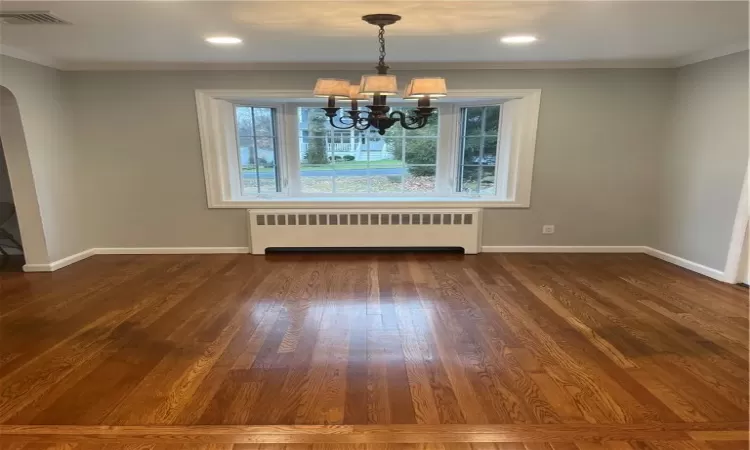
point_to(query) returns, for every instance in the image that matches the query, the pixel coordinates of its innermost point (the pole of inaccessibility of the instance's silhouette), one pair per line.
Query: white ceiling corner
(13, 52)
(711, 53)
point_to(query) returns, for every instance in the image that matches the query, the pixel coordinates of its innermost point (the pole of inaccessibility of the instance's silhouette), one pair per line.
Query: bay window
(269, 149)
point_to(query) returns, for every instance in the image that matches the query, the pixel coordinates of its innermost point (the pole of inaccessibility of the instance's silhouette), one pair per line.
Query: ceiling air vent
(30, 18)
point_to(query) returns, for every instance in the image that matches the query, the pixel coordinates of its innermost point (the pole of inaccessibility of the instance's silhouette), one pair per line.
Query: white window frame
(221, 164)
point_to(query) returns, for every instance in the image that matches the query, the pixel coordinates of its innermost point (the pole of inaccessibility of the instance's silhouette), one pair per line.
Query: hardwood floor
(11, 263)
(207, 351)
(611, 445)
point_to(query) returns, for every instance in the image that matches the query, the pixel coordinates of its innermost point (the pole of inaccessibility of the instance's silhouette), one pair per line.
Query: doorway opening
(11, 249)
(737, 269)
(743, 274)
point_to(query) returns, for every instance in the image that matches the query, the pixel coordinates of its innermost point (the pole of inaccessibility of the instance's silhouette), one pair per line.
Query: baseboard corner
(33, 268)
(60, 263)
(687, 264)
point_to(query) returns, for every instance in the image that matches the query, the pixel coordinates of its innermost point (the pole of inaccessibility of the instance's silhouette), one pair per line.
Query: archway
(22, 180)
(11, 249)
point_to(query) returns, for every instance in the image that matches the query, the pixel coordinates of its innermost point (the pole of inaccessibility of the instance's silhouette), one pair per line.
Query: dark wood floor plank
(117, 325)
(160, 395)
(241, 350)
(163, 326)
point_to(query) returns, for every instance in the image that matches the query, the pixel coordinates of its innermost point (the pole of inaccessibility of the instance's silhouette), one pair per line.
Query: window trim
(222, 191)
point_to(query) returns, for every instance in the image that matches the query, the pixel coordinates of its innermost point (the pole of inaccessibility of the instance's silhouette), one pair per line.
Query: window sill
(364, 202)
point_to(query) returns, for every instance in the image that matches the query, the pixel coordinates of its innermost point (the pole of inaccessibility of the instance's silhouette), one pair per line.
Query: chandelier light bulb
(518, 39)
(224, 40)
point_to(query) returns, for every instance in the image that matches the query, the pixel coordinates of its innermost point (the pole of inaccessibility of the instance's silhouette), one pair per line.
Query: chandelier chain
(381, 39)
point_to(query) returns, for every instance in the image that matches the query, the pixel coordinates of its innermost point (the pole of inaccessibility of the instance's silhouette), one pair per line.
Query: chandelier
(378, 87)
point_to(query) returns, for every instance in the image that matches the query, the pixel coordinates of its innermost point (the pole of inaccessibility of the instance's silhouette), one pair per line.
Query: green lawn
(354, 164)
(342, 165)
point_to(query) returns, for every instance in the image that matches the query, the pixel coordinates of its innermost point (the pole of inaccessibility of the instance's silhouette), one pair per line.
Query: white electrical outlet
(548, 229)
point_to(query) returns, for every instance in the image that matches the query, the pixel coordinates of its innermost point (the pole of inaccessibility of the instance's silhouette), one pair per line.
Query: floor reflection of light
(337, 318)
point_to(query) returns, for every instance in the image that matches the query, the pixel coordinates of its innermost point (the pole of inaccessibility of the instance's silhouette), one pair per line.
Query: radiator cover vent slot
(359, 219)
(31, 18)
(364, 228)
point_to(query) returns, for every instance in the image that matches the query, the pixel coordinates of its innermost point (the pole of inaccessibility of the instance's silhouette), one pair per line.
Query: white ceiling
(149, 34)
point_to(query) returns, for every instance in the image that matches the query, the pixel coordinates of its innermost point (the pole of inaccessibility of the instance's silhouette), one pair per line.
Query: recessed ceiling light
(518, 39)
(224, 40)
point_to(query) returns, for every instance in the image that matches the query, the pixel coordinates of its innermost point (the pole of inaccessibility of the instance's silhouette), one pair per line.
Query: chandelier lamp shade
(378, 85)
(331, 88)
(376, 88)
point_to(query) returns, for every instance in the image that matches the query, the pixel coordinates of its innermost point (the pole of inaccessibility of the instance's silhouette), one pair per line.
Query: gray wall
(136, 136)
(44, 169)
(705, 159)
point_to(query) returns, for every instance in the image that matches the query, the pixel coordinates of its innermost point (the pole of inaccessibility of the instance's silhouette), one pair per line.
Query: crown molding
(26, 56)
(105, 66)
(715, 52)
(692, 58)
(395, 66)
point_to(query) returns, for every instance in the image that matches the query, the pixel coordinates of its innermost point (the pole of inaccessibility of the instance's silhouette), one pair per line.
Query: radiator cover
(363, 228)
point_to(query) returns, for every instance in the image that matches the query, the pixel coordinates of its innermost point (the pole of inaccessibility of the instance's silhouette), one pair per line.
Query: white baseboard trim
(682, 262)
(676, 260)
(60, 263)
(687, 264)
(169, 250)
(563, 249)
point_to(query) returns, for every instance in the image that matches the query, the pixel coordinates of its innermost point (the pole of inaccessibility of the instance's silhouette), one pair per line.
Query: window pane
(351, 184)
(482, 120)
(420, 179)
(244, 117)
(489, 151)
(313, 151)
(472, 149)
(263, 120)
(247, 152)
(420, 150)
(254, 183)
(491, 119)
(469, 179)
(479, 141)
(473, 121)
(359, 162)
(488, 185)
(480, 150)
(257, 147)
(386, 183)
(266, 151)
(323, 185)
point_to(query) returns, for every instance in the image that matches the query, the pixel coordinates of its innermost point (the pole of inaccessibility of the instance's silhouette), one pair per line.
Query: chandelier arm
(344, 127)
(409, 122)
(362, 125)
(361, 121)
